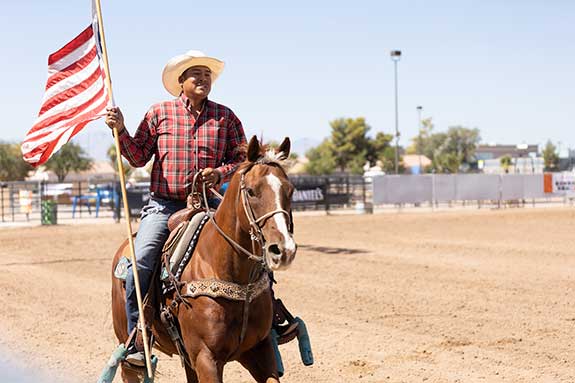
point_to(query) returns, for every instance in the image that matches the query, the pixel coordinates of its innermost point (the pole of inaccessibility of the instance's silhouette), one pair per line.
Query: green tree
(427, 143)
(321, 159)
(350, 143)
(71, 157)
(420, 143)
(457, 147)
(550, 157)
(505, 162)
(382, 151)
(113, 158)
(12, 166)
(349, 148)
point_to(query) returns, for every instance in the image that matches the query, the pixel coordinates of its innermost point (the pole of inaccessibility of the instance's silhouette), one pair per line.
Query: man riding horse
(186, 136)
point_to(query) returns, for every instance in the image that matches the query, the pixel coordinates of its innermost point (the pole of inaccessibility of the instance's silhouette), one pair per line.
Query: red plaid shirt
(182, 145)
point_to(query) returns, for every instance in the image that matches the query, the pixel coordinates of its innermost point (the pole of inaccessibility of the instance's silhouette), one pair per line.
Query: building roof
(412, 160)
(486, 152)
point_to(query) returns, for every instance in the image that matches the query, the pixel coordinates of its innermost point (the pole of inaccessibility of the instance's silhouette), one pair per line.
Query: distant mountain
(302, 145)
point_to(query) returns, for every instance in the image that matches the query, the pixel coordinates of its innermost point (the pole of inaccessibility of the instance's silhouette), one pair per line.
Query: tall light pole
(419, 109)
(395, 57)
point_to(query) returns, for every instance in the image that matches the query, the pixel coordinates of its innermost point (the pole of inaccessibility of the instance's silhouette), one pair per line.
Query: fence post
(363, 190)
(433, 192)
(500, 191)
(11, 198)
(116, 194)
(326, 185)
(346, 185)
(80, 197)
(2, 186)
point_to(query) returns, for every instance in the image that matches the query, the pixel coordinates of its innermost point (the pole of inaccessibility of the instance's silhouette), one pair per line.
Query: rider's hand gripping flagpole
(124, 195)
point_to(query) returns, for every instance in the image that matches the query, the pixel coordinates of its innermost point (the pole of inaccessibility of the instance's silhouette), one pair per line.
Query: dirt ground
(460, 296)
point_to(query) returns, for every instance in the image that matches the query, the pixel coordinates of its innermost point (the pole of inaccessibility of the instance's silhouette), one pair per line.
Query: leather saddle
(185, 226)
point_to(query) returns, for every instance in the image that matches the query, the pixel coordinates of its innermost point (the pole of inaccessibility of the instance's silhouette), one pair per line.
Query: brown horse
(249, 235)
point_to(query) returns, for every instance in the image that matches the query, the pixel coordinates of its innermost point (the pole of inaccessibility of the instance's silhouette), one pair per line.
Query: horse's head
(266, 198)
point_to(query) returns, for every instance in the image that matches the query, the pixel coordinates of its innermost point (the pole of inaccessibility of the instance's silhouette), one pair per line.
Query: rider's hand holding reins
(211, 176)
(115, 119)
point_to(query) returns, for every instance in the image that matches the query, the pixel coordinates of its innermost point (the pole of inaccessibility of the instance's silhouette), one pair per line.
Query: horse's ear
(284, 148)
(253, 149)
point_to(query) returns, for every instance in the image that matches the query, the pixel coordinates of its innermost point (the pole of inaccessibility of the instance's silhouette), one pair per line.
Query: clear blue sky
(505, 67)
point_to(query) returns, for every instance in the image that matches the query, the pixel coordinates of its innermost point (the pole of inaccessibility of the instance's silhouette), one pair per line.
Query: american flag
(75, 95)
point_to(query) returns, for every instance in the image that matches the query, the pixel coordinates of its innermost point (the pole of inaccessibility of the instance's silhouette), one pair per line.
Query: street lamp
(395, 57)
(419, 109)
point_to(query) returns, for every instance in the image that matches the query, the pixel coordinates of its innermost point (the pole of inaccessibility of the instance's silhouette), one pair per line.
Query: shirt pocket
(164, 136)
(210, 141)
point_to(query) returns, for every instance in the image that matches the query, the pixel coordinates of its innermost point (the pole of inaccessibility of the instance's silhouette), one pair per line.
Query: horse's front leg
(260, 361)
(207, 368)
(191, 375)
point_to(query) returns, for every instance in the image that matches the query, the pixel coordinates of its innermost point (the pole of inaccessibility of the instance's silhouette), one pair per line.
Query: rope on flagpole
(124, 196)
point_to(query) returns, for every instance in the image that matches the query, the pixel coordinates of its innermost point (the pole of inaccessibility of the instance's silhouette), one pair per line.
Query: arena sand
(461, 296)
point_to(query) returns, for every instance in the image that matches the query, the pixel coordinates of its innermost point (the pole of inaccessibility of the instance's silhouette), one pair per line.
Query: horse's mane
(267, 156)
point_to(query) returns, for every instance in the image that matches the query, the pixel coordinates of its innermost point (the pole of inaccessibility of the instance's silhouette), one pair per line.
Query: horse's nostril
(274, 249)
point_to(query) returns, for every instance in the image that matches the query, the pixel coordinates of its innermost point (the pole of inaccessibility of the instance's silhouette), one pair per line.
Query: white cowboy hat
(178, 65)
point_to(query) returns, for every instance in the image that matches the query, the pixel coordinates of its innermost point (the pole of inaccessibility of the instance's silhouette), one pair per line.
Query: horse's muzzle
(280, 256)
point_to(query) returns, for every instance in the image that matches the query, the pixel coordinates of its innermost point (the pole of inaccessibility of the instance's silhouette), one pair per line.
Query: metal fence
(438, 188)
(329, 192)
(24, 201)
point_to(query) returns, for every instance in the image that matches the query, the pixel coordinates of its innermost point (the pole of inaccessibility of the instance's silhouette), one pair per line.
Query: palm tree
(113, 158)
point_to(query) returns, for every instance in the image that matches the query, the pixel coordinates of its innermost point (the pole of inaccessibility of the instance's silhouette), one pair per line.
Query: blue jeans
(152, 234)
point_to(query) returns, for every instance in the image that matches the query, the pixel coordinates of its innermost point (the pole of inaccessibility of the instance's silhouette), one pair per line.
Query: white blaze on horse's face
(281, 248)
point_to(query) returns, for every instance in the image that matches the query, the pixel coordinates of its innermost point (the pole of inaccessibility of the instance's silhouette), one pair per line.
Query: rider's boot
(135, 355)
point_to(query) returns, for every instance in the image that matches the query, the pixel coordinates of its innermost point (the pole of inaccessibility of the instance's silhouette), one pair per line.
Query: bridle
(256, 233)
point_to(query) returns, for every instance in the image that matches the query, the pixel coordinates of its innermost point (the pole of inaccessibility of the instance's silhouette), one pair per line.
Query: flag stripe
(42, 153)
(71, 82)
(62, 64)
(80, 99)
(46, 143)
(73, 68)
(61, 119)
(75, 95)
(73, 90)
(85, 36)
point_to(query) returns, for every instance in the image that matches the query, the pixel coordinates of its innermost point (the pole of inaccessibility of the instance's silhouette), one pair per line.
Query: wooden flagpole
(124, 195)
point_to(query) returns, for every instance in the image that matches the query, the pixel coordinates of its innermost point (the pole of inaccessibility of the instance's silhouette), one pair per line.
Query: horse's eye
(250, 192)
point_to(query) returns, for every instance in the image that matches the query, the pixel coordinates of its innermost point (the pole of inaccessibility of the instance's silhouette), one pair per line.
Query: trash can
(49, 212)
